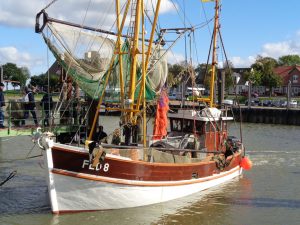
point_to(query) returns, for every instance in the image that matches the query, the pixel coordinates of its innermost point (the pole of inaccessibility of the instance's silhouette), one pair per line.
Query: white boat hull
(71, 192)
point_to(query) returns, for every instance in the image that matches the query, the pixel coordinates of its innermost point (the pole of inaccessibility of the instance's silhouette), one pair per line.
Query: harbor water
(267, 194)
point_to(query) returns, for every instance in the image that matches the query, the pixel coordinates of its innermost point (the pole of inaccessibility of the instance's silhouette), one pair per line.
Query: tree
(14, 73)
(228, 66)
(263, 73)
(176, 72)
(42, 80)
(254, 76)
(22, 77)
(203, 74)
(289, 60)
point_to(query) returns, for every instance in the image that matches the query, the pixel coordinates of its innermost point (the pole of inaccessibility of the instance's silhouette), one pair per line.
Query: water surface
(268, 194)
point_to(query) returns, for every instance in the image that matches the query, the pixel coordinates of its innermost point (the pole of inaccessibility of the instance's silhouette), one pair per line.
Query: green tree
(228, 66)
(289, 60)
(176, 72)
(14, 73)
(254, 76)
(263, 73)
(203, 74)
(42, 80)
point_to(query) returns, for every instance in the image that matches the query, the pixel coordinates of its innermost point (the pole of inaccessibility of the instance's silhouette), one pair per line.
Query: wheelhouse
(209, 130)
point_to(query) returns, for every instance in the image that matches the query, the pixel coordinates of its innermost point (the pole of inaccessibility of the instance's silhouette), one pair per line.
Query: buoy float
(246, 163)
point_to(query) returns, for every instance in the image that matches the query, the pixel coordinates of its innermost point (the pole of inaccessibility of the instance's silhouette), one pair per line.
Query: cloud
(278, 49)
(273, 49)
(174, 58)
(13, 55)
(19, 13)
(240, 62)
(99, 12)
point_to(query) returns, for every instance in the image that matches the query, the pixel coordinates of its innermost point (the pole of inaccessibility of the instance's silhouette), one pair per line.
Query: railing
(22, 116)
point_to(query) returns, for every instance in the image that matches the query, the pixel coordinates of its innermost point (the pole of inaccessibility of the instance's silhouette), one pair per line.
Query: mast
(134, 53)
(143, 78)
(214, 55)
(119, 50)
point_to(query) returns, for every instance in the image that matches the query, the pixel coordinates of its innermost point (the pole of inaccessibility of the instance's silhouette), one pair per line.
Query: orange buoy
(246, 163)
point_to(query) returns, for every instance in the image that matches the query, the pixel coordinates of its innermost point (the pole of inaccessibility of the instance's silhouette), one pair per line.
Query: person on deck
(47, 104)
(30, 105)
(100, 135)
(2, 104)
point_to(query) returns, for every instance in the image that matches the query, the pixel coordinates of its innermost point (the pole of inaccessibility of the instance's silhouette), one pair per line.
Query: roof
(55, 68)
(285, 71)
(197, 115)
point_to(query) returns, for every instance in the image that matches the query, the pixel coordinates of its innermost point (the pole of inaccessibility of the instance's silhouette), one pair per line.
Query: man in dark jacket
(47, 104)
(29, 105)
(2, 103)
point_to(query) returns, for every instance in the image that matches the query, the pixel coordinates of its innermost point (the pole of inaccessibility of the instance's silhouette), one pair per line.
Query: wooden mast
(119, 51)
(134, 53)
(214, 55)
(144, 78)
(150, 47)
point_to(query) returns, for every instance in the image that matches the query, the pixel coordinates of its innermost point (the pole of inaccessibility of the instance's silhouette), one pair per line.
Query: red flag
(161, 119)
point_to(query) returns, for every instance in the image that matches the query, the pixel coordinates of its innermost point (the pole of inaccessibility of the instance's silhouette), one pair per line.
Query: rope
(234, 86)
(20, 159)
(47, 6)
(10, 176)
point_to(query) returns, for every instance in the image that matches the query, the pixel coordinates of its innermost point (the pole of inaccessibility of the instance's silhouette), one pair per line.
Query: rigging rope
(234, 86)
(50, 3)
(10, 176)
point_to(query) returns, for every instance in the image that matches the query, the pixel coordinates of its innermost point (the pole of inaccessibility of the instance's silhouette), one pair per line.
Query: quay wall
(268, 115)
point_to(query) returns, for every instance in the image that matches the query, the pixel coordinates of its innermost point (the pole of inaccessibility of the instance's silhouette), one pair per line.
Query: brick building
(289, 73)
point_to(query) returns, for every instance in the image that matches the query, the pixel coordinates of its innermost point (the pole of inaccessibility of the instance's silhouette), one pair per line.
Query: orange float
(246, 163)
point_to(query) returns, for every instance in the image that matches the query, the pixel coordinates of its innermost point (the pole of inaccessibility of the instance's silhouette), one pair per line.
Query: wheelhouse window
(176, 125)
(200, 127)
(188, 125)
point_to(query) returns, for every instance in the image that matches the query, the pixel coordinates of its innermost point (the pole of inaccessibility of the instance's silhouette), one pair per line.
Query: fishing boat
(140, 169)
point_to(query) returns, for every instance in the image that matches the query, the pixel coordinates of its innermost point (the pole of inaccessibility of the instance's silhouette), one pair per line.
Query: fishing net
(88, 56)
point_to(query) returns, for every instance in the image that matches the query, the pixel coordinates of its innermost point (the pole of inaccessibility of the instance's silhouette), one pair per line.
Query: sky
(249, 28)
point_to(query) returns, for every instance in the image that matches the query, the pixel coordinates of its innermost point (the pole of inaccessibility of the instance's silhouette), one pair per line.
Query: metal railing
(21, 115)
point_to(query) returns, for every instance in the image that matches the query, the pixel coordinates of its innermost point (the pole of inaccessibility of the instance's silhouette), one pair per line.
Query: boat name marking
(99, 166)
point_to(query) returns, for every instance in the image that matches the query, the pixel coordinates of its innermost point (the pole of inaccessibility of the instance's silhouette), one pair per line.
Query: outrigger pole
(46, 19)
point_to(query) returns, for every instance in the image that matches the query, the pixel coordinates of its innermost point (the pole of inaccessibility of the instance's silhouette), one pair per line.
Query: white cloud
(174, 58)
(242, 62)
(19, 13)
(13, 55)
(100, 12)
(274, 50)
(278, 49)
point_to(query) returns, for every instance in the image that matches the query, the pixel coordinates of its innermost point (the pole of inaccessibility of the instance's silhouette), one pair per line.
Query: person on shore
(47, 104)
(29, 105)
(2, 104)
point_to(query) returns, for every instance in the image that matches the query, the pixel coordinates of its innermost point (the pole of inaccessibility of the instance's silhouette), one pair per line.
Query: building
(289, 74)
(242, 85)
